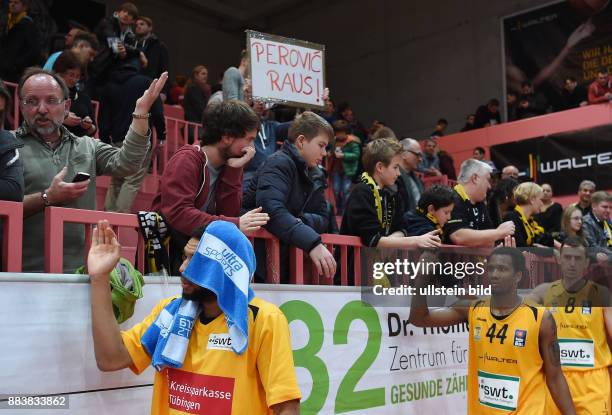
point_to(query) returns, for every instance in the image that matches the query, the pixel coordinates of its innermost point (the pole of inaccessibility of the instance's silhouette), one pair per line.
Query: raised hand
(145, 102)
(104, 253)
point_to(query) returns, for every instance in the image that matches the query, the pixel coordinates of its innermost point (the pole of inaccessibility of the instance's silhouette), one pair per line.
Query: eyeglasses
(35, 102)
(419, 155)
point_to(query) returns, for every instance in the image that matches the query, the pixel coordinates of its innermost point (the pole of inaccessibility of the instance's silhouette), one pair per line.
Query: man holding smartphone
(52, 157)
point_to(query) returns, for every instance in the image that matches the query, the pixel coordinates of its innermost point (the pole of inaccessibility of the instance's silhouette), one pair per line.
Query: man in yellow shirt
(584, 320)
(211, 375)
(513, 347)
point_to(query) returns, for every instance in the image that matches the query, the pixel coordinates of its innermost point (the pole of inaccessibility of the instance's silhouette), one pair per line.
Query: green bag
(126, 287)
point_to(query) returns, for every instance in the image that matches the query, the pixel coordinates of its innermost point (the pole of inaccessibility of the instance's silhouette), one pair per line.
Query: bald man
(510, 171)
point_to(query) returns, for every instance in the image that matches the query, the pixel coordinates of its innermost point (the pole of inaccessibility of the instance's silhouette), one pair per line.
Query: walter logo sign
(286, 70)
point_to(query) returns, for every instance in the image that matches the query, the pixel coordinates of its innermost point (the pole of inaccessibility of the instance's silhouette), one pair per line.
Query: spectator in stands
(440, 128)
(235, 84)
(5, 107)
(344, 160)
(469, 123)
(528, 232)
(154, 49)
(19, 45)
(177, 92)
(384, 132)
(585, 191)
(285, 189)
(487, 114)
(345, 112)
(52, 157)
(511, 105)
(501, 200)
(550, 214)
(85, 46)
(266, 143)
(600, 89)
(117, 44)
(251, 373)
(430, 163)
(75, 28)
(197, 93)
(470, 224)
(11, 169)
(433, 211)
(447, 165)
(376, 125)
(80, 118)
(573, 95)
(479, 154)
(122, 92)
(410, 187)
(571, 225)
(531, 104)
(597, 228)
(203, 183)
(374, 209)
(330, 112)
(510, 171)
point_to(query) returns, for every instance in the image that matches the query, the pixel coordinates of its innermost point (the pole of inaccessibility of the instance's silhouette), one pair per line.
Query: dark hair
(147, 20)
(66, 61)
(574, 241)
(494, 101)
(443, 121)
(35, 70)
(73, 24)
(233, 118)
(341, 126)
(90, 38)
(437, 195)
(518, 259)
(384, 132)
(341, 107)
(603, 69)
(380, 150)
(244, 54)
(481, 150)
(130, 8)
(309, 125)
(570, 78)
(525, 83)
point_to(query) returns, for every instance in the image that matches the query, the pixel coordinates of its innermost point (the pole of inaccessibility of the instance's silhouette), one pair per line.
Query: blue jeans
(341, 185)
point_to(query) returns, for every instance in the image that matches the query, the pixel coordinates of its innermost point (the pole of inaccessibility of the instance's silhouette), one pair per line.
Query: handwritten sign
(287, 71)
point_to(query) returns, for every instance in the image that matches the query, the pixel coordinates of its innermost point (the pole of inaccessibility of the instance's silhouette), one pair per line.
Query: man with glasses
(470, 224)
(53, 159)
(410, 187)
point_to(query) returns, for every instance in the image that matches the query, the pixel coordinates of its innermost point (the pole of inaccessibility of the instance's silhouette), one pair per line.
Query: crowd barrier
(302, 272)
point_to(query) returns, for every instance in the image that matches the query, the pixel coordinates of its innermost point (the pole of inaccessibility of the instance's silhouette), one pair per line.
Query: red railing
(56, 217)
(12, 213)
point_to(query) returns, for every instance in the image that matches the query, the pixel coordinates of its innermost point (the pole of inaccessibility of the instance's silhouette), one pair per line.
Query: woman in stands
(80, 119)
(571, 225)
(528, 232)
(501, 200)
(197, 93)
(550, 215)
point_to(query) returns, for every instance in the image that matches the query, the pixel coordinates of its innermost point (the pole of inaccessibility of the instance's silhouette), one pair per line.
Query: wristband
(141, 116)
(45, 198)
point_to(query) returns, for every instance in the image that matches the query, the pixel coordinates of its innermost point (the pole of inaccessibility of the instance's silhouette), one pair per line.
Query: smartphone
(80, 177)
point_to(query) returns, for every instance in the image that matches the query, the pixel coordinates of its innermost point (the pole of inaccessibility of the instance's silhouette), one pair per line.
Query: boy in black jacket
(373, 210)
(432, 212)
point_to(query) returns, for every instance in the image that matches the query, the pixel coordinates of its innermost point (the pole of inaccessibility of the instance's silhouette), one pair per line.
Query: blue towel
(167, 340)
(224, 262)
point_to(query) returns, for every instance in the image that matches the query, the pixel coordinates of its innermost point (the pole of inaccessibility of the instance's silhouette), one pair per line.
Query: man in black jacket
(154, 49)
(11, 174)
(19, 42)
(284, 187)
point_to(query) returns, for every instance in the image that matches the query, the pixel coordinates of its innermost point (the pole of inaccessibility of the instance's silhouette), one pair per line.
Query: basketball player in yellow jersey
(513, 349)
(581, 310)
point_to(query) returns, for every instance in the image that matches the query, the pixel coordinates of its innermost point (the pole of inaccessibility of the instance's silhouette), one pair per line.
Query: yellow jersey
(580, 325)
(505, 368)
(214, 379)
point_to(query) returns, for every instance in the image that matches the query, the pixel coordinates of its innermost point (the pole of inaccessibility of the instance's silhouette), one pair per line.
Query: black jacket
(157, 54)
(11, 169)
(19, 49)
(417, 225)
(520, 234)
(361, 219)
(284, 188)
(403, 186)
